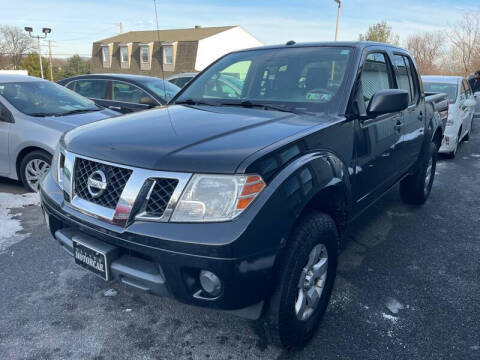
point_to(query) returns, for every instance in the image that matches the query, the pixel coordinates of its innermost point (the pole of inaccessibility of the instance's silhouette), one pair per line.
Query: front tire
(304, 283)
(416, 188)
(32, 169)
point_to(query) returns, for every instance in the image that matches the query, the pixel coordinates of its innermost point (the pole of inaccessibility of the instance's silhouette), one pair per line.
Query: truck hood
(186, 138)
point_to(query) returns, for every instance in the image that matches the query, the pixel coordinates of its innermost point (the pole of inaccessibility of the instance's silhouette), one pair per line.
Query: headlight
(216, 197)
(57, 165)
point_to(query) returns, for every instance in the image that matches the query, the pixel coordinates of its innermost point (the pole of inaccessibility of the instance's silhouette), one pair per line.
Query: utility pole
(40, 56)
(50, 58)
(339, 2)
(45, 31)
(121, 27)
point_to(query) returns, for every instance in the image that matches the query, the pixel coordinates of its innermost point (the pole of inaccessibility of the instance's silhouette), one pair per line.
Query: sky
(76, 24)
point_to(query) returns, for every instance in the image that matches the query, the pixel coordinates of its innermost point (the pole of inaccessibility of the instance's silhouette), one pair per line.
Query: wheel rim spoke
(311, 283)
(34, 171)
(313, 296)
(312, 258)
(428, 175)
(301, 303)
(320, 268)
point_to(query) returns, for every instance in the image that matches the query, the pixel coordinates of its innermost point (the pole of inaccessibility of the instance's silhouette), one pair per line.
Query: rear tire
(33, 167)
(291, 319)
(416, 188)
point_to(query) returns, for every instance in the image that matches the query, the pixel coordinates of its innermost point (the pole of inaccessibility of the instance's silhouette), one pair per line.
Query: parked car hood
(69, 122)
(186, 138)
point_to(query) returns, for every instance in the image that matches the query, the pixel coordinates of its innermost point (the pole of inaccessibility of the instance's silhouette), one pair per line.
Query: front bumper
(166, 258)
(449, 141)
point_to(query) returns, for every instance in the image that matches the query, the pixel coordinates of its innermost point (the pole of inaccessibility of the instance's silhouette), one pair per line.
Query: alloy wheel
(428, 175)
(312, 282)
(34, 172)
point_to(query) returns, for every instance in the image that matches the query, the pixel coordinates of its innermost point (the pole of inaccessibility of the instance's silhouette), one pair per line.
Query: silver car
(460, 112)
(34, 113)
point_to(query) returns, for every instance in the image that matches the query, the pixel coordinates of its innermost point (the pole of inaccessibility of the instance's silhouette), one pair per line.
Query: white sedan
(460, 112)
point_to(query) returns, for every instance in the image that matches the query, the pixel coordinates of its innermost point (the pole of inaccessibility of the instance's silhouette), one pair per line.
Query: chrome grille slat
(128, 193)
(160, 196)
(117, 178)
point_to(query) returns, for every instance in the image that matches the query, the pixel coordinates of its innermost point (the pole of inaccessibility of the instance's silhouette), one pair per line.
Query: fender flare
(292, 189)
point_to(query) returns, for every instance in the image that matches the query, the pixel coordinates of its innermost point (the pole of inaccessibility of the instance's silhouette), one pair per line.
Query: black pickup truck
(235, 197)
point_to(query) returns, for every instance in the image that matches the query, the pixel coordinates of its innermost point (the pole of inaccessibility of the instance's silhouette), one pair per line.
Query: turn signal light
(251, 189)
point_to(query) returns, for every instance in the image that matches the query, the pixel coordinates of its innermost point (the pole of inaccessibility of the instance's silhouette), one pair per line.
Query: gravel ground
(408, 287)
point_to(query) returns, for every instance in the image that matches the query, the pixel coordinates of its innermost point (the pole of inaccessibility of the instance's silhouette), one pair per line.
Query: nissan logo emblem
(97, 183)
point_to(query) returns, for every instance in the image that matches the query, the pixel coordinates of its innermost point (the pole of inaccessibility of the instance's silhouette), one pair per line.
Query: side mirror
(471, 102)
(388, 101)
(147, 100)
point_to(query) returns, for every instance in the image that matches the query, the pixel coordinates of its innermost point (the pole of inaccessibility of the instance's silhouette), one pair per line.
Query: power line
(58, 54)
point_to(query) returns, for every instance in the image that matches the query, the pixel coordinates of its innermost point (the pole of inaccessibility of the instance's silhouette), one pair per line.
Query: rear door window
(124, 92)
(406, 76)
(92, 88)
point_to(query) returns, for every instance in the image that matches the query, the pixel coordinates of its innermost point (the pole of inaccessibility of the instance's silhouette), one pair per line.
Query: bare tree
(427, 48)
(14, 43)
(465, 39)
(381, 32)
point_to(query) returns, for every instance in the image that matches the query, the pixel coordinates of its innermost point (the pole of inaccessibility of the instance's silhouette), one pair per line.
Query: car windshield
(296, 79)
(44, 98)
(450, 89)
(164, 89)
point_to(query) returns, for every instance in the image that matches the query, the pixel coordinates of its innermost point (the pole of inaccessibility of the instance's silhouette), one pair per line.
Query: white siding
(211, 48)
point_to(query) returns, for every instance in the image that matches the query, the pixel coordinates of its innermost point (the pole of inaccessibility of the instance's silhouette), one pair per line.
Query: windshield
(450, 89)
(44, 98)
(309, 79)
(164, 89)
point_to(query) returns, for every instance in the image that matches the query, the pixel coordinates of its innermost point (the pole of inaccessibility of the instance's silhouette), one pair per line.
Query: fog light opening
(210, 283)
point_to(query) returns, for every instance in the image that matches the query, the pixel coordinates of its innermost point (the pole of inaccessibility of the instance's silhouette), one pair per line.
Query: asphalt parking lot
(408, 288)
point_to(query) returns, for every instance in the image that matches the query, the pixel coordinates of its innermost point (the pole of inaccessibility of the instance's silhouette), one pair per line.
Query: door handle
(115, 107)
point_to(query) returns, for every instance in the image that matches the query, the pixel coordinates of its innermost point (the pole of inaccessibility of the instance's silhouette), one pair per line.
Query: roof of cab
(10, 78)
(356, 44)
(131, 77)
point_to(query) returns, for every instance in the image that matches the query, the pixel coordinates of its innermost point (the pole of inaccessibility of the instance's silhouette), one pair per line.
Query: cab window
(375, 76)
(91, 88)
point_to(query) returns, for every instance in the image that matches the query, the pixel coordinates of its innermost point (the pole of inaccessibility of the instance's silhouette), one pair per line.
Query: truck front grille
(160, 196)
(116, 179)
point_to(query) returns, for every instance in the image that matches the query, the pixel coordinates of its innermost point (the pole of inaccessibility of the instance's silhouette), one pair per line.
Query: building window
(124, 54)
(106, 56)
(168, 54)
(144, 55)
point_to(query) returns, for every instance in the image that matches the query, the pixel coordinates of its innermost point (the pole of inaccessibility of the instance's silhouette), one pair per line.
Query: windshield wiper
(78, 111)
(191, 102)
(249, 104)
(42, 114)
